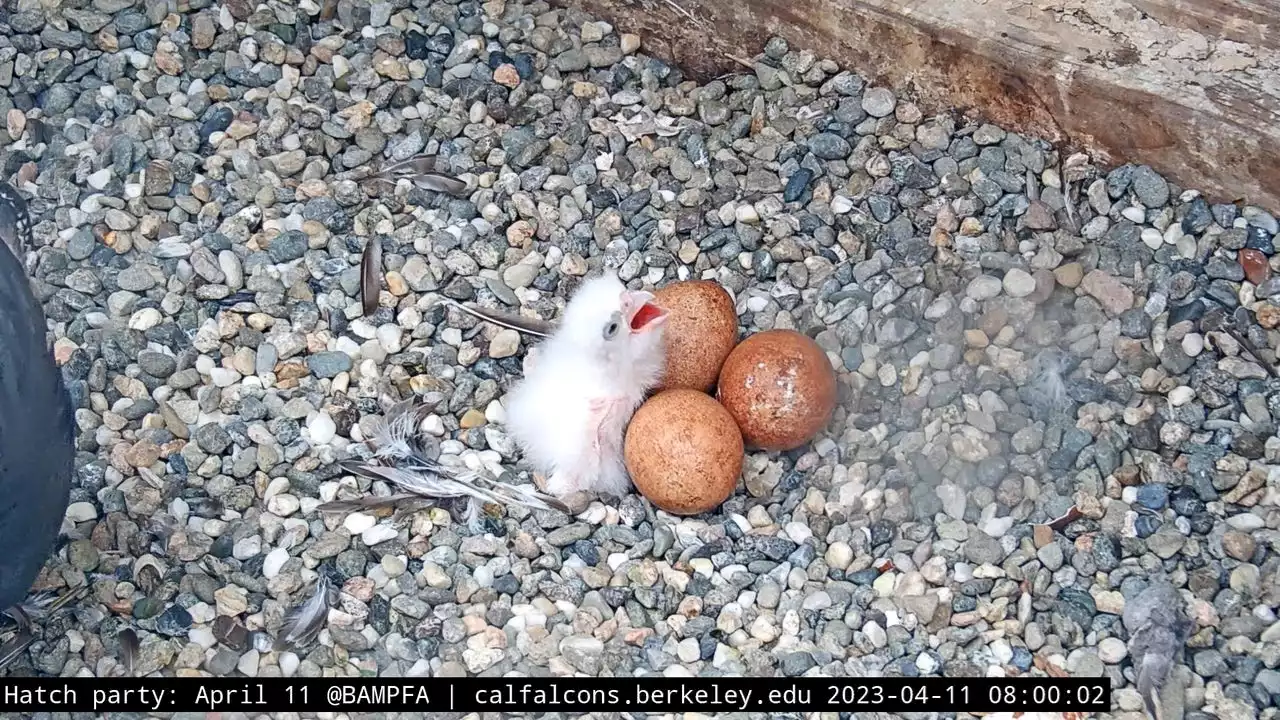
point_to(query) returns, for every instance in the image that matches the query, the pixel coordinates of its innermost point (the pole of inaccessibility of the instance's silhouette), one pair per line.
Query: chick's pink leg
(581, 473)
(610, 475)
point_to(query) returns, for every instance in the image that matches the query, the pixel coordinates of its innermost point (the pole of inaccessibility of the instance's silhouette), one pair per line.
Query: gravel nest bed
(1021, 338)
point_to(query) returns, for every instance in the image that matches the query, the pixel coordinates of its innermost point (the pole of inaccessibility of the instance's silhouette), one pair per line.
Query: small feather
(394, 435)
(305, 621)
(129, 649)
(44, 604)
(234, 299)
(371, 275)
(366, 503)
(13, 649)
(412, 166)
(421, 171)
(38, 131)
(511, 321)
(399, 460)
(1069, 205)
(206, 507)
(1158, 627)
(439, 183)
(431, 479)
(1047, 391)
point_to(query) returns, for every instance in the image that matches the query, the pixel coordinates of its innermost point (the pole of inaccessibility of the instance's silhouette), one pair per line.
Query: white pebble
(1019, 283)
(504, 344)
(283, 505)
(1002, 651)
(358, 522)
(378, 534)
(432, 425)
(875, 634)
(1135, 214)
(839, 555)
(248, 663)
(688, 650)
(1181, 395)
(983, 287)
(1186, 247)
(798, 532)
(246, 548)
(1192, 344)
(702, 566)
(81, 512)
(887, 374)
(179, 509)
(1112, 650)
(289, 663)
(100, 179)
(1152, 238)
(202, 612)
(390, 338)
(495, 413)
(1246, 522)
(202, 637)
(224, 377)
(272, 563)
(322, 429)
(145, 319)
(997, 527)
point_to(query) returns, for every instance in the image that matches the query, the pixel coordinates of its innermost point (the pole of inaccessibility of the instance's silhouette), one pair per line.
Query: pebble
(878, 102)
(504, 344)
(1114, 296)
(273, 562)
(1019, 283)
(322, 429)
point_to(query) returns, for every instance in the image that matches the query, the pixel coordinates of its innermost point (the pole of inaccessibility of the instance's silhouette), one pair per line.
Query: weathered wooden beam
(1190, 87)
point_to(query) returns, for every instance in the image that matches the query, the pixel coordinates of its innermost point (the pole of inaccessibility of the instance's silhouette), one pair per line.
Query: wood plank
(1245, 21)
(1128, 82)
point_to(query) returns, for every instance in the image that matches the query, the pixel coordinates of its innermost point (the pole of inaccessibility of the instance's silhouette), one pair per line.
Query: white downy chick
(570, 412)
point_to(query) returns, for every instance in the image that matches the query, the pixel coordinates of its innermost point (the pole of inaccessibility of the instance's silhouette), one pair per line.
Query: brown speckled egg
(684, 451)
(701, 330)
(780, 388)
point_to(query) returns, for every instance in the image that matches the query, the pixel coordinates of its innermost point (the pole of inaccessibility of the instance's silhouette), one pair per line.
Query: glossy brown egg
(701, 330)
(683, 451)
(780, 388)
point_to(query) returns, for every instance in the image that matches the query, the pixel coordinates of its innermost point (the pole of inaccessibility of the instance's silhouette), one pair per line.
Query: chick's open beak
(641, 312)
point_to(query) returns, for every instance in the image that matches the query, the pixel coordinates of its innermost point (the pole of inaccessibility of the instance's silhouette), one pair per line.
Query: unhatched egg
(780, 388)
(683, 451)
(701, 330)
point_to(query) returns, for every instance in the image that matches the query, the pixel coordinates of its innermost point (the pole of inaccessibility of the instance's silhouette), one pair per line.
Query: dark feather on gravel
(1158, 628)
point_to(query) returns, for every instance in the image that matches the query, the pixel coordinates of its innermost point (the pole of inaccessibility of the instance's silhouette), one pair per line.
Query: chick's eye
(611, 329)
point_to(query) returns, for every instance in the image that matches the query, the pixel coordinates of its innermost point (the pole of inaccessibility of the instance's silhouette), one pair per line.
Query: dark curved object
(37, 446)
(15, 221)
